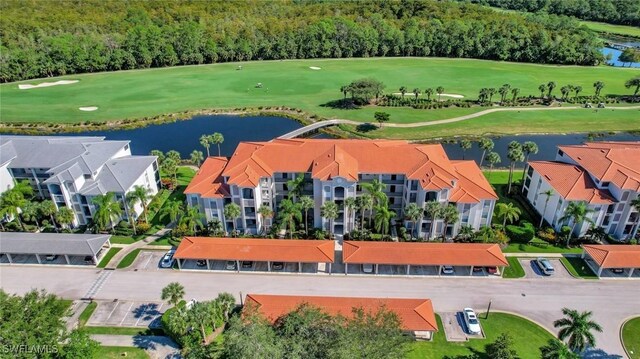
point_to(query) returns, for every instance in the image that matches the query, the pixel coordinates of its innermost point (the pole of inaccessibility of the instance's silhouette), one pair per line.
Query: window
(560, 153)
(412, 198)
(414, 185)
(194, 201)
(247, 193)
(327, 189)
(605, 184)
(431, 196)
(86, 176)
(527, 182)
(213, 204)
(392, 189)
(625, 196)
(530, 171)
(126, 147)
(392, 200)
(394, 177)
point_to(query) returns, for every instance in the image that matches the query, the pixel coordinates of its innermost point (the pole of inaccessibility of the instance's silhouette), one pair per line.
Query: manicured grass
(514, 270)
(578, 268)
(612, 29)
(86, 313)
(122, 239)
(527, 248)
(528, 337)
(630, 337)
(140, 93)
(121, 352)
(107, 257)
(499, 179)
(128, 259)
(122, 331)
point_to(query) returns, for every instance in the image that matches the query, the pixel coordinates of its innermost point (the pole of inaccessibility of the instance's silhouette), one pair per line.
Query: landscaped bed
(128, 259)
(630, 337)
(121, 352)
(578, 267)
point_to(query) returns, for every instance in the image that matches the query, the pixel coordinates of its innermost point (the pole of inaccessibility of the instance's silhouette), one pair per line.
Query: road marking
(110, 314)
(150, 255)
(127, 313)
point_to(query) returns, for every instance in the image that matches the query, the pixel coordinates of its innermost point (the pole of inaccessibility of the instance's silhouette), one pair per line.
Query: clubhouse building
(333, 170)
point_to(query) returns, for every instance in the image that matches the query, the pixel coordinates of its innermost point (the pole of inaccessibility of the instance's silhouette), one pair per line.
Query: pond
(614, 58)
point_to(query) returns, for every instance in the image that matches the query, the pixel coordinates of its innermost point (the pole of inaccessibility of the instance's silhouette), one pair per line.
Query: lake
(615, 53)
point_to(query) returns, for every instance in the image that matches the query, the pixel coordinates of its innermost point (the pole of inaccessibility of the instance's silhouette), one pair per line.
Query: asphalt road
(612, 301)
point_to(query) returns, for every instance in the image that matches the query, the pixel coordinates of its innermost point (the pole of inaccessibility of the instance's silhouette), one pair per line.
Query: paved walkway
(113, 263)
(77, 308)
(156, 346)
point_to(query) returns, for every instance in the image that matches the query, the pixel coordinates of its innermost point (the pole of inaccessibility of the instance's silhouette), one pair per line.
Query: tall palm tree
(130, 210)
(634, 82)
(329, 211)
(635, 203)
(173, 293)
(196, 157)
(201, 315)
(11, 204)
(428, 91)
(491, 91)
(514, 92)
(232, 212)
(366, 204)
(265, 213)
(174, 155)
(542, 88)
(288, 213)
(108, 210)
(158, 154)
(548, 193)
(485, 144)
(434, 211)
(414, 213)
(171, 209)
(192, 218)
(550, 86)
(450, 215)
(217, 139)
(577, 90)
(349, 208)
(24, 187)
(227, 304)
(48, 208)
(528, 147)
(416, 93)
(376, 189)
(465, 145)
(402, 90)
(306, 203)
(170, 166)
(383, 218)
(65, 216)
(503, 91)
(576, 212)
(143, 195)
(31, 212)
(578, 328)
(493, 158)
(599, 85)
(206, 143)
(556, 349)
(508, 212)
(439, 91)
(515, 155)
(295, 187)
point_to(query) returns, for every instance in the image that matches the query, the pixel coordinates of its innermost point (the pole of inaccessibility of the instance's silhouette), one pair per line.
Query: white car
(167, 259)
(367, 268)
(471, 320)
(448, 270)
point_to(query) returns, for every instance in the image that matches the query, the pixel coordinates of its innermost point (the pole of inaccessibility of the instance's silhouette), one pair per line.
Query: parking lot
(255, 267)
(458, 271)
(455, 328)
(531, 269)
(147, 260)
(127, 314)
(31, 259)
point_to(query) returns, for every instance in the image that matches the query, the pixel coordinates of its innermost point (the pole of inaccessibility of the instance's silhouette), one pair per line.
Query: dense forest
(623, 12)
(49, 38)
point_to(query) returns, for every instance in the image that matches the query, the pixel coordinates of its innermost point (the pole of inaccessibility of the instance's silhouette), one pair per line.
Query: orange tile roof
(571, 182)
(208, 182)
(615, 162)
(256, 249)
(614, 256)
(403, 253)
(329, 158)
(415, 314)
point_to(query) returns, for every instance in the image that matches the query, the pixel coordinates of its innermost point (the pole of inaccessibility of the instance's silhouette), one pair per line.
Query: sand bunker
(46, 84)
(88, 108)
(451, 95)
(315, 68)
(435, 95)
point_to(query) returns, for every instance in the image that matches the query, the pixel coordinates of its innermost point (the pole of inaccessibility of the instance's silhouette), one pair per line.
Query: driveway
(156, 346)
(532, 271)
(125, 313)
(147, 260)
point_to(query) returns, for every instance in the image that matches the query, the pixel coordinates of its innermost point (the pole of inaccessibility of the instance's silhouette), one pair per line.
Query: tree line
(66, 37)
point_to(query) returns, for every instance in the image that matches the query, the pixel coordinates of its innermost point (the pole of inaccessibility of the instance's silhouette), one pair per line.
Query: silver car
(545, 266)
(167, 259)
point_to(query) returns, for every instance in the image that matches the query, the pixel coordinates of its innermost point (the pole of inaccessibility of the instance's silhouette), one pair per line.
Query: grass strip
(86, 314)
(514, 270)
(128, 259)
(578, 267)
(107, 257)
(630, 337)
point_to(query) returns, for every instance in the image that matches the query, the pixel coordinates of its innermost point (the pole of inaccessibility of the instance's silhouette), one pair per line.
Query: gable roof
(436, 254)
(52, 243)
(256, 249)
(615, 162)
(614, 255)
(414, 314)
(207, 182)
(571, 182)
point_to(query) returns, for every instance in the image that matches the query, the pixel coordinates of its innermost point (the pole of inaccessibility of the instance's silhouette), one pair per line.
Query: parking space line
(146, 307)
(125, 316)
(113, 310)
(148, 260)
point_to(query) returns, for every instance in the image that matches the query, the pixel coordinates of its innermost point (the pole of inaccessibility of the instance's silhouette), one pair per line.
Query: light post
(488, 310)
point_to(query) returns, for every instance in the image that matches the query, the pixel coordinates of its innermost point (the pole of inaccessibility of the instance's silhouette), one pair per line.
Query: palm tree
(556, 349)
(197, 157)
(428, 91)
(577, 90)
(434, 210)
(349, 208)
(329, 211)
(366, 204)
(381, 117)
(108, 210)
(485, 144)
(232, 212)
(265, 213)
(542, 88)
(295, 187)
(217, 139)
(11, 204)
(550, 86)
(143, 195)
(577, 327)
(564, 91)
(548, 193)
(227, 303)
(31, 212)
(416, 92)
(48, 208)
(466, 232)
(345, 90)
(171, 209)
(493, 158)
(483, 95)
(174, 155)
(215, 228)
(306, 203)
(205, 142)
(173, 293)
(170, 166)
(515, 154)
(65, 216)
(465, 145)
(130, 210)
(528, 147)
(450, 215)
(192, 218)
(576, 212)
(158, 154)
(24, 187)
(376, 188)
(508, 212)
(439, 91)
(503, 91)
(414, 213)
(491, 91)
(201, 314)
(403, 90)
(383, 218)
(599, 85)
(635, 203)
(514, 92)
(633, 82)
(288, 213)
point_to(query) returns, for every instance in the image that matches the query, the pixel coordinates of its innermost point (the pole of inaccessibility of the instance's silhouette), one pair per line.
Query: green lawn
(139, 93)
(578, 268)
(528, 338)
(121, 352)
(107, 257)
(630, 337)
(122, 331)
(514, 270)
(86, 314)
(527, 248)
(123, 239)
(128, 259)
(499, 179)
(612, 29)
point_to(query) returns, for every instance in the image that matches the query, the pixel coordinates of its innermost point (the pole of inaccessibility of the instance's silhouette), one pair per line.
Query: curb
(620, 335)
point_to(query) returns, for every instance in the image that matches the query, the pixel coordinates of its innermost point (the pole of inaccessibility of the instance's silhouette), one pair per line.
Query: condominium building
(333, 170)
(604, 175)
(71, 171)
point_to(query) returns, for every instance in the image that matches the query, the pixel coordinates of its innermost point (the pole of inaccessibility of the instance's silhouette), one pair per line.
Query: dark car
(617, 270)
(247, 264)
(477, 269)
(201, 262)
(88, 259)
(492, 270)
(277, 266)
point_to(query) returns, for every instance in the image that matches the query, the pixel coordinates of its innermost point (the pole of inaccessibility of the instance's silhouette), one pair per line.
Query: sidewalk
(113, 263)
(155, 346)
(77, 308)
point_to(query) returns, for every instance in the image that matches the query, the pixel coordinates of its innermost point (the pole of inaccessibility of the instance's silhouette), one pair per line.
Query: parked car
(51, 257)
(492, 270)
(201, 262)
(617, 270)
(231, 265)
(167, 259)
(448, 270)
(88, 259)
(277, 266)
(545, 266)
(471, 320)
(367, 268)
(477, 269)
(247, 264)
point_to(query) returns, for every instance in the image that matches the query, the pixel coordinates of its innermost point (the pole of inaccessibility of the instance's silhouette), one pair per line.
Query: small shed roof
(52, 243)
(614, 256)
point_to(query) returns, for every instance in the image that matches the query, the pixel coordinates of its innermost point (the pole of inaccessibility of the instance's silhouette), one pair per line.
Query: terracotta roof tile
(403, 253)
(415, 314)
(207, 181)
(252, 249)
(571, 182)
(614, 256)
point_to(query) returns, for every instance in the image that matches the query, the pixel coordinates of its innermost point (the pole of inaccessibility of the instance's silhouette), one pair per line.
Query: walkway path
(156, 346)
(113, 263)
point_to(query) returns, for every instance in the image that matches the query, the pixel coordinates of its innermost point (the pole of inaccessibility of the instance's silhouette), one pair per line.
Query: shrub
(521, 234)
(143, 227)
(548, 234)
